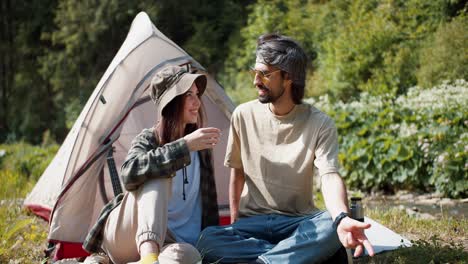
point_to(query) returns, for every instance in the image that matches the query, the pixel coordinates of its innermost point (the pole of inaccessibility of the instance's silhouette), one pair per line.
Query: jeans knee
(209, 242)
(205, 236)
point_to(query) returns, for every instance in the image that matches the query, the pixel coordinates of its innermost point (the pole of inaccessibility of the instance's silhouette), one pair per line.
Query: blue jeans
(273, 238)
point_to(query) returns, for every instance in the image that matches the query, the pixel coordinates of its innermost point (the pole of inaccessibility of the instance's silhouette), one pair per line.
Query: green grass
(23, 236)
(423, 251)
(448, 229)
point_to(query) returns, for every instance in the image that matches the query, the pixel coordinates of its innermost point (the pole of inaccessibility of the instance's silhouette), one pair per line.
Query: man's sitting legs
(272, 238)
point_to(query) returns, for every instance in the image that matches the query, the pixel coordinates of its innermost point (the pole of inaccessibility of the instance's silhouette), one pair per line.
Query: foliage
(212, 30)
(14, 185)
(86, 37)
(445, 57)
(417, 141)
(24, 93)
(54, 52)
(376, 49)
(264, 16)
(21, 165)
(22, 235)
(60, 48)
(360, 46)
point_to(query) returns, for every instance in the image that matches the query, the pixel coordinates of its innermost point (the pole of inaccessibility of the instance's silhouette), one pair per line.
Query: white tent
(76, 185)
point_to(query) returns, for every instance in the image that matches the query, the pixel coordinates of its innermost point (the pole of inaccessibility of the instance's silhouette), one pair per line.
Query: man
(273, 146)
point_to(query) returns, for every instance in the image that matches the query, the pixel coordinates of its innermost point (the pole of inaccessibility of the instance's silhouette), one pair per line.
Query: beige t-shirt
(278, 154)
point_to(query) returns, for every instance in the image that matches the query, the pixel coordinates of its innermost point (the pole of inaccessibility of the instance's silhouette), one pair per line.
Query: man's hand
(234, 217)
(351, 234)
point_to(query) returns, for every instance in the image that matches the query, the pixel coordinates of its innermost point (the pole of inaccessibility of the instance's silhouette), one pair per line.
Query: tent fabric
(384, 239)
(76, 185)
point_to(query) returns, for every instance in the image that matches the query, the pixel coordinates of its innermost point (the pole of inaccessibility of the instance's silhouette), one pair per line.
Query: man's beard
(268, 97)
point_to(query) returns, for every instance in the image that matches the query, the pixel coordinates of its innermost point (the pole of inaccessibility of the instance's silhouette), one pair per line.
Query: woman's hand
(203, 138)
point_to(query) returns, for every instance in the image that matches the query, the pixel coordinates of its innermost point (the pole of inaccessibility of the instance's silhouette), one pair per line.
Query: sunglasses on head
(264, 76)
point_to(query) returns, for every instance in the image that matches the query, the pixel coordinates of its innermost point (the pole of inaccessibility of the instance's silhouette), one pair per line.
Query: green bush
(14, 185)
(415, 142)
(445, 57)
(376, 45)
(21, 165)
(422, 252)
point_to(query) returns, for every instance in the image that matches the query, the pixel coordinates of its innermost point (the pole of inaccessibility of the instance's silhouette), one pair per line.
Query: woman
(168, 173)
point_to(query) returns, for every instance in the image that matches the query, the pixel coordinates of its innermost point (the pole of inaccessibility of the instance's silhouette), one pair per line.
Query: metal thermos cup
(357, 211)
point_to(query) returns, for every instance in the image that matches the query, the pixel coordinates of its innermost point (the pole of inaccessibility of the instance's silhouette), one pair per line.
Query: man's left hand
(351, 235)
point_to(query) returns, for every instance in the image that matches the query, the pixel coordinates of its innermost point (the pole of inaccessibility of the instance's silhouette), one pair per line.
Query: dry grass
(440, 240)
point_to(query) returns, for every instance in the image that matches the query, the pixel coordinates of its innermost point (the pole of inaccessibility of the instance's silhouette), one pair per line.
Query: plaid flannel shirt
(146, 160)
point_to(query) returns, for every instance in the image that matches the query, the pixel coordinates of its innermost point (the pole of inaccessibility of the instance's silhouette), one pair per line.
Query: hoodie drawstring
(184, 181)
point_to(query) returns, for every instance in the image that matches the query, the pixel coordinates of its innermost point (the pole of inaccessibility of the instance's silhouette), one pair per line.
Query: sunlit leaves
(417, 141)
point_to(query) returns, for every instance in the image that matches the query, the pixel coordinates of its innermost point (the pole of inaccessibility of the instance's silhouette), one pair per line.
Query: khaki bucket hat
(172, 81)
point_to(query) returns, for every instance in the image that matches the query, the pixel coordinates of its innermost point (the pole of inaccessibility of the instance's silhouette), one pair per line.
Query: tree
(86, 38)
(24, 93)
(360, 46)
(53, 52)
(445, 56)
(6, 65)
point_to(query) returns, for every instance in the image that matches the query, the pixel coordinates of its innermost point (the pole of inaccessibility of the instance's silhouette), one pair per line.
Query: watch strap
(338, 219)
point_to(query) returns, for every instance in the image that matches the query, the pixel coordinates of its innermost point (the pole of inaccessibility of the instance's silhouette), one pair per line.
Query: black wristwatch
(338, 219)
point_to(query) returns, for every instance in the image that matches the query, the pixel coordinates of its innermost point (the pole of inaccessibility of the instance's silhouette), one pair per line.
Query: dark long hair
(170, 127)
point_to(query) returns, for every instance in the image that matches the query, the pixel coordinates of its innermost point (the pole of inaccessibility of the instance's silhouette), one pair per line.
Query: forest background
(390, 72)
